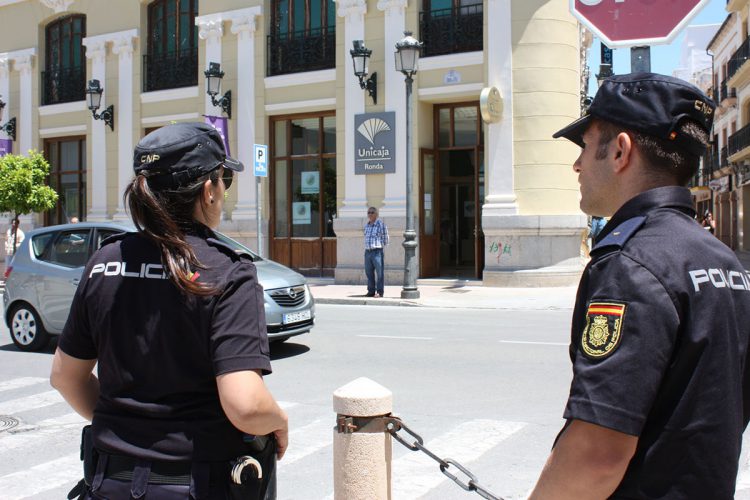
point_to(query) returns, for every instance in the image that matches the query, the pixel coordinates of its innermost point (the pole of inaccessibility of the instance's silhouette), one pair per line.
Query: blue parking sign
(260, 160)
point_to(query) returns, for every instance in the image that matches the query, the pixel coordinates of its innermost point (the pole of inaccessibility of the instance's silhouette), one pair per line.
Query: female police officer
(176, 322)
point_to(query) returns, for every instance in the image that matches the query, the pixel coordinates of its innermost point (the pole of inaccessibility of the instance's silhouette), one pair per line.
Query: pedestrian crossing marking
(743, 478)
(416, 473)
(306, 440)
(27, 403)
(18, 383)
(42, 477)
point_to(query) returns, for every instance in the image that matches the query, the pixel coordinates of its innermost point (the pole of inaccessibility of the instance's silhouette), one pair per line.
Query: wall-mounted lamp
(360, 55)
(10, 127)
(214, 74)
(94, 98)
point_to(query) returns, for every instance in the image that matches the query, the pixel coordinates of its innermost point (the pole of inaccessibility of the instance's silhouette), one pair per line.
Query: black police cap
(176, 155)
(649, 103)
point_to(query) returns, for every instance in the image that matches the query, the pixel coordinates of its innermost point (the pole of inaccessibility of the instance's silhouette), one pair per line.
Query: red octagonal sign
(626, 23)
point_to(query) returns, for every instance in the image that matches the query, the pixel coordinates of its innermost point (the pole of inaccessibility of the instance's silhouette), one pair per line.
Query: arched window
(172, 58)
(303, 36)
(64, 75)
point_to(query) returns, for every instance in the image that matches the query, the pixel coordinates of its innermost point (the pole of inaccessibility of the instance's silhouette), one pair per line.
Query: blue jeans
(373, 264)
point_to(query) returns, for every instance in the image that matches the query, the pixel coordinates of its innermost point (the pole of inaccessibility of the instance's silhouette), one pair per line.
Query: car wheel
(26, 329)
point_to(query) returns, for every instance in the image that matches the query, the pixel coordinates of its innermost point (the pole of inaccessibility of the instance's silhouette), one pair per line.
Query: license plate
(296, 316)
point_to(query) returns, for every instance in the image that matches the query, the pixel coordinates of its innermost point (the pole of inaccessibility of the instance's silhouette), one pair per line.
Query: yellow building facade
(494, 200)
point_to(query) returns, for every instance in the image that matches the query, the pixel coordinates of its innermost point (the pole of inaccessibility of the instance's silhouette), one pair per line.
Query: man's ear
(623, 151)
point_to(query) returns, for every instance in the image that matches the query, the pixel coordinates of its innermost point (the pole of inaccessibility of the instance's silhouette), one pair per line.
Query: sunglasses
(227, 177)
(370, 213)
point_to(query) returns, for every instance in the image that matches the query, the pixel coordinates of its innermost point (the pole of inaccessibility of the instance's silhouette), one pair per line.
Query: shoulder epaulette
(621, 234)
(227, 249)
(113, 238)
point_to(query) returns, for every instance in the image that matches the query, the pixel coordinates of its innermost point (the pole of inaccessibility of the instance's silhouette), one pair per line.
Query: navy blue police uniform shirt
(658, 346)
(159, 351)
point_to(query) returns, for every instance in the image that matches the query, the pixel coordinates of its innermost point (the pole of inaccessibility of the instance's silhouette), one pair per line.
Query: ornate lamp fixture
(214, 74)
(360, 54)
(10, 127)
(94, 99)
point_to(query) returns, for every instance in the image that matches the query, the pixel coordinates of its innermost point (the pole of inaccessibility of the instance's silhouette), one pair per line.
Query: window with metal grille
(172, 58)
(303, 36)
(64, 75)
(450, 26)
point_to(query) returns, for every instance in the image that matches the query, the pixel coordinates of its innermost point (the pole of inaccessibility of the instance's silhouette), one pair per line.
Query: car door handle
(75, 281)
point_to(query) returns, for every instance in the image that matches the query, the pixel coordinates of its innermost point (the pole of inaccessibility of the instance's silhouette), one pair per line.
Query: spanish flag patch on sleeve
(603, 329)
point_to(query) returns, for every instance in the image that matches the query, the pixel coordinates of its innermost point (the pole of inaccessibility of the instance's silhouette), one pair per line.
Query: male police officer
(659, 397)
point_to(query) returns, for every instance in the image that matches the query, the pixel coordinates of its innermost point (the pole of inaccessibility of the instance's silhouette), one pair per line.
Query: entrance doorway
(452, 193)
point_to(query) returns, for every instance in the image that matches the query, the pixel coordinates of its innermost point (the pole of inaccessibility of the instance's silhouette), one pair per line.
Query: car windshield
(238, 247)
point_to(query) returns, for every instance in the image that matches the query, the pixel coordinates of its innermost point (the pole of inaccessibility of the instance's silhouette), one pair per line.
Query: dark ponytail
(163, 216)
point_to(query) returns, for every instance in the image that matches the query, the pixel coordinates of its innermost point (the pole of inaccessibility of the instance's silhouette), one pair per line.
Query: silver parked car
(43, 275)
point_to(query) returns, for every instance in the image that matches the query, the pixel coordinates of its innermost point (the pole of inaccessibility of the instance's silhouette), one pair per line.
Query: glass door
(429, 240)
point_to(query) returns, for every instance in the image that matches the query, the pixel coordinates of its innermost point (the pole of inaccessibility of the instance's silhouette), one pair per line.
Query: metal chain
(395, 424)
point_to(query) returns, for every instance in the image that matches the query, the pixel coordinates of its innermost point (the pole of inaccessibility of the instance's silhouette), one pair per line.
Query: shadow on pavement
(282, 350)
(48, 349)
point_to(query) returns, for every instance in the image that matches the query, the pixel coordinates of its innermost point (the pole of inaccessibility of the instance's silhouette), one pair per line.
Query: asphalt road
(484, 387)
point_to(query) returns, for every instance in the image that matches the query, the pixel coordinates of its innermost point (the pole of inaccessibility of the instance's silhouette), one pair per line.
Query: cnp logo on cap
(653, 104)
(177, 154)
(149, 158)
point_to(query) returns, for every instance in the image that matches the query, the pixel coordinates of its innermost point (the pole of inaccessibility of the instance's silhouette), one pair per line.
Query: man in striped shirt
(376, 238)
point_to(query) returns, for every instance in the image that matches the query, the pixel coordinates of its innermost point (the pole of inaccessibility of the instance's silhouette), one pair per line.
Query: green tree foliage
(23, 188)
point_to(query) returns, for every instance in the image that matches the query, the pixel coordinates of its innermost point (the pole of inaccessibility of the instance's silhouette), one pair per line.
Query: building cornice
(451, 61)
(169, 94)
(306, 78)
(67, 107)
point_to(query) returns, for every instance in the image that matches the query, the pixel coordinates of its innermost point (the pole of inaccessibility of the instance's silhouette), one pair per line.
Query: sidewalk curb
(368, 302)
(406, 303)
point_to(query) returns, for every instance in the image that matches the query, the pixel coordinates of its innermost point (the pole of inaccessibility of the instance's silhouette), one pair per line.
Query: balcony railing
(447, 31)
(738, 58)
(302, 51)
(63, 85)
(170, 70)
(739, 140)
(726, 91)
(710, 162)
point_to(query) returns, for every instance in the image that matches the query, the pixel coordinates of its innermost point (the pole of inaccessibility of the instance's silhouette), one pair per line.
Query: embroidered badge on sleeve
(602, 333)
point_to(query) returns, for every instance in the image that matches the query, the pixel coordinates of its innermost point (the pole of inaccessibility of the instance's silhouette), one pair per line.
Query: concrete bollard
(361, 459)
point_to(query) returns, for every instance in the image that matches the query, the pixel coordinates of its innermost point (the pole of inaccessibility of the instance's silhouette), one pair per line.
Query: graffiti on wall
(500, 249)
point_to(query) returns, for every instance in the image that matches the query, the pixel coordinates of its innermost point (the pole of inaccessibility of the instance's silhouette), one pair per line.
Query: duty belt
(121, 468)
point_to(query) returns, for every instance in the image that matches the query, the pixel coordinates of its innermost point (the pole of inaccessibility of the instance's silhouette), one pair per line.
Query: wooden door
(429, 239)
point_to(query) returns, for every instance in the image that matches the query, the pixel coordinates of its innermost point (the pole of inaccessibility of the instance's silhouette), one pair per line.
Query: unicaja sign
(374, 143)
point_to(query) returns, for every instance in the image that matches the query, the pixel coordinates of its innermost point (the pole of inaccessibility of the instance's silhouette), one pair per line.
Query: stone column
(355, 195)
(353, 212)
(531, 221)
(394, 204)
(211, 29)
(501, 197)
(24, 123)
(244, 25)
(123, 46)
(5, 92)
(96, 50)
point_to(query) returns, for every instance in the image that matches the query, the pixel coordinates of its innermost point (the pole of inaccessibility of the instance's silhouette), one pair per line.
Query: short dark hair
(661, 157)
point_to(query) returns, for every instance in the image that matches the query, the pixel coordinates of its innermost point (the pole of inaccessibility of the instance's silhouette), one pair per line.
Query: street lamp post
(407, 57)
